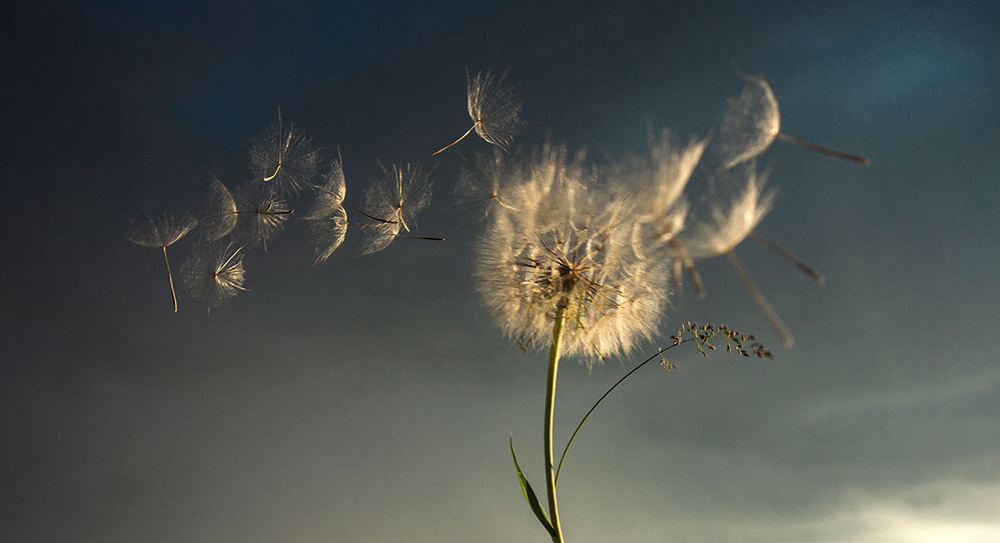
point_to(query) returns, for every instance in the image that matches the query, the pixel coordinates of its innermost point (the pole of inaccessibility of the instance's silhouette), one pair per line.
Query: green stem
(606, 394)
(550, 404)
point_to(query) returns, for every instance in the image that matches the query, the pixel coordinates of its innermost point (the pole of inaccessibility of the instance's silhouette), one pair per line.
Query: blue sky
(371, 399)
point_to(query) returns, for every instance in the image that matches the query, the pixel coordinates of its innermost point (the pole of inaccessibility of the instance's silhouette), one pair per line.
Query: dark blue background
(371, 399)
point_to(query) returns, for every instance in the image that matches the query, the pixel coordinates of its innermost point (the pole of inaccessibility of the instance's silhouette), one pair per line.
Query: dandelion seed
(214, 273)
(262, 213)
(487, 186)
(285, 158)
(752, 121)
(392, 204)
(660, 175)
(161, 232)
(219, 214)
(737, 203)
(656, 181)
(328, 219)
(494, 111)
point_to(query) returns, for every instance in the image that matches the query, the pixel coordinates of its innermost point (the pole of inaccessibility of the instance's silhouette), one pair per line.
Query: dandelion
(328, 219)
(558, 271)
(569, 248)
(213, 273)
(488, 185)
(752, 121)
(220, 214)
(392, 203)
(284, 158)
(262, 214)
(161, 232)
(494, 111)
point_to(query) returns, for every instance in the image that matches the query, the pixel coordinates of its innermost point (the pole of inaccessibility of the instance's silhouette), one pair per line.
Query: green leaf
(529, 494)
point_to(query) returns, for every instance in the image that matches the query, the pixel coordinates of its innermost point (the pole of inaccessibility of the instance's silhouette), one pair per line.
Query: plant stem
(550, 404)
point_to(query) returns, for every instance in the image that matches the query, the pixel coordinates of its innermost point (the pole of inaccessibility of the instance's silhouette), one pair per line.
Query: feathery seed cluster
(563, 239)
(598, 246)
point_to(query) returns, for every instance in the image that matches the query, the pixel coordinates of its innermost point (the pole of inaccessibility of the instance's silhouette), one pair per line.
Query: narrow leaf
(529, 494)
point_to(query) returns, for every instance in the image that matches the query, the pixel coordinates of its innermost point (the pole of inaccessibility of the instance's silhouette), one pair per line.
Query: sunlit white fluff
(494, 109)
(213, 273)
(392, 204)
(737, 205)
(564, 241)
(285, 158)
(328, 218)
(750, 124)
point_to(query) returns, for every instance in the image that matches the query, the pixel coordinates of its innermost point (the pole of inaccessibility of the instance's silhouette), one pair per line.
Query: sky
(372, 398)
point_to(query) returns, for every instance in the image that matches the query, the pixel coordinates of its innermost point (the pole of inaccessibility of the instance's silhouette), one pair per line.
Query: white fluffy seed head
(568, 242)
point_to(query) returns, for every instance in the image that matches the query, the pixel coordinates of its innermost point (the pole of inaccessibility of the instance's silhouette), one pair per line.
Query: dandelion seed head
(568, 245)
